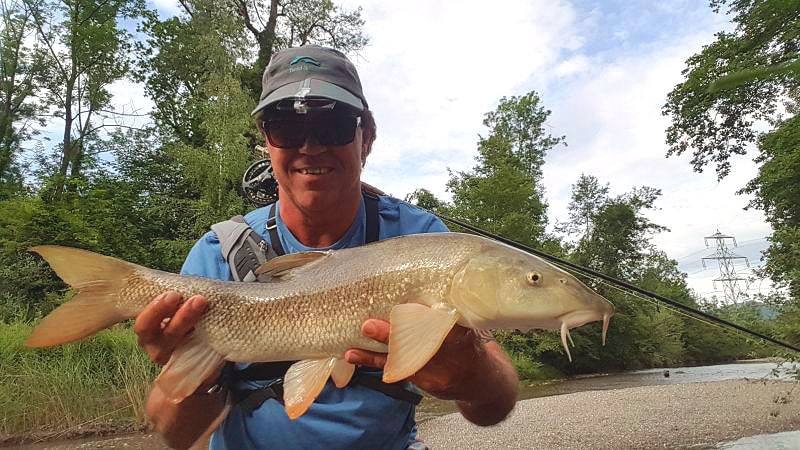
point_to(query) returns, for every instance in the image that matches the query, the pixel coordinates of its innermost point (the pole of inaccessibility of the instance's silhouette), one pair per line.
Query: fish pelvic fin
(416, 333)
(192, 363)
(342, 373)
(303, 382)
(98, 280)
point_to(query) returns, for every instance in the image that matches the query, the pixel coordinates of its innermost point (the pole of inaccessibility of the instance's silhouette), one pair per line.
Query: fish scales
(303, 319)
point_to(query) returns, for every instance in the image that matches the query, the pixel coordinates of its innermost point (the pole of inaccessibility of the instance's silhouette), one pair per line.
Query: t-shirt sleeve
(436, 226)
(205, 259)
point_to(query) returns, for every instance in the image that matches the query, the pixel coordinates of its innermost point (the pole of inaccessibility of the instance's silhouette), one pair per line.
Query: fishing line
(617, 282)
(654, 302)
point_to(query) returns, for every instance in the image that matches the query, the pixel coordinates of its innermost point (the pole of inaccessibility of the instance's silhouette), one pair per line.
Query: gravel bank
(673, 416)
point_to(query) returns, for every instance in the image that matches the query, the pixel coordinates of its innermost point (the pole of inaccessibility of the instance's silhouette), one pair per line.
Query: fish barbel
(311, 306)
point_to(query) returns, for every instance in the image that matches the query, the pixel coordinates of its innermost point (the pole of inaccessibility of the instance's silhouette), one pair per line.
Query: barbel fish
(311, 306)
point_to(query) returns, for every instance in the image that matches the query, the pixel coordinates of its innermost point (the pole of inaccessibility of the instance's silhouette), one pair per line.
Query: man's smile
(314, 170)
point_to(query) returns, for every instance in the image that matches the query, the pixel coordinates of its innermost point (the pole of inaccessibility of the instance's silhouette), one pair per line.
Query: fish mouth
(577, 318)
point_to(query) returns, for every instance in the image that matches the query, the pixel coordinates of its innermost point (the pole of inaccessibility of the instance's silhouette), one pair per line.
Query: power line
(696, 313)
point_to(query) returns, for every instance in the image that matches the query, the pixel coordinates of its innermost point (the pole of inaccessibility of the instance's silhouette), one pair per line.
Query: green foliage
(776, 191)
(98, 383)
(83, 50)
(736, 81)
(502, 193)
(18, 70)
(426, 199)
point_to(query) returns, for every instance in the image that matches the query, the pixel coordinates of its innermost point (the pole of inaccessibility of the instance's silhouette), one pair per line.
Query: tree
(84, 51)
(291, 23)
(426, 199)
(18, 69)
(502, 193)
(735, 82)
(776, 191)
(587, 197)
(740, 79)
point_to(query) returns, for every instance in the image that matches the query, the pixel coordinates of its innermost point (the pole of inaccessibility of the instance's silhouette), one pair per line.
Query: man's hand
(480, 376)
(161, 328)
(165, 322)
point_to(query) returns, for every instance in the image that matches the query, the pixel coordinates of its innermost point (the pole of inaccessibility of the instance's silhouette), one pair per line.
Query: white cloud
(434, 68)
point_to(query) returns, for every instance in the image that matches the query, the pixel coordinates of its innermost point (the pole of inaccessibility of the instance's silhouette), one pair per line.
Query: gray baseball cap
(311, 72)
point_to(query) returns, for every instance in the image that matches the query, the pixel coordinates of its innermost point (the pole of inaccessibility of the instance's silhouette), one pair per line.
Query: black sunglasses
(291, 131)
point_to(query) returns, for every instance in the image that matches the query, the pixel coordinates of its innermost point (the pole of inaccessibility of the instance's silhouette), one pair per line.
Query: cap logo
(304, 59)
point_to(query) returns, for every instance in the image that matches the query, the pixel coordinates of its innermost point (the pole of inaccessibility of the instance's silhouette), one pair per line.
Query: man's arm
(478, 375)
(160, 328)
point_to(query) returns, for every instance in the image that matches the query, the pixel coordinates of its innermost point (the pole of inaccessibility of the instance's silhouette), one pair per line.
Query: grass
(96, 384)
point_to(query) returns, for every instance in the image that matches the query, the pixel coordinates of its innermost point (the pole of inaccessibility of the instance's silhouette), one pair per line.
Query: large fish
(312, 305)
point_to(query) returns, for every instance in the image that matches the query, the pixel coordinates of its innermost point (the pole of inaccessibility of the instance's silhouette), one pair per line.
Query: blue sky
(434, 67)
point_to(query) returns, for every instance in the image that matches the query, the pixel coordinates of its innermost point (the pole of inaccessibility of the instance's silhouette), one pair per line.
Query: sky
(434, 68)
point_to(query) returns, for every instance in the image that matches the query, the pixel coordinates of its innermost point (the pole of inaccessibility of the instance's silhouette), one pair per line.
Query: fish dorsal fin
(416, 334)
(282, 265)
(303, 382)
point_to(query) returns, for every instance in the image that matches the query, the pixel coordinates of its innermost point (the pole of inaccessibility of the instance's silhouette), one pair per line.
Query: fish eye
(534, 278)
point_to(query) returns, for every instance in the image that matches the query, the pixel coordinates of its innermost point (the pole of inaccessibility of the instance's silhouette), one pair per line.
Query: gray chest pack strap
(242, 248)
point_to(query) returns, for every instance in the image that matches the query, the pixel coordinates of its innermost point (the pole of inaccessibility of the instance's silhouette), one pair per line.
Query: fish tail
(98, 280)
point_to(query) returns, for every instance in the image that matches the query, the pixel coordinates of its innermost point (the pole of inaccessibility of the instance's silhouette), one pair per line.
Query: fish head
(502, 287)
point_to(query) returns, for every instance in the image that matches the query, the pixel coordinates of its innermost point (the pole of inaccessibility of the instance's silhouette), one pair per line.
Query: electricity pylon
(727, 266)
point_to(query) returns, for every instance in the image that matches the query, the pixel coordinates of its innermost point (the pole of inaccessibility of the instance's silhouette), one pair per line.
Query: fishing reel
(259, 184)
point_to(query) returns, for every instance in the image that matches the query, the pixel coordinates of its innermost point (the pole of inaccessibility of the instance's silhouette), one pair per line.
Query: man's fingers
(376, 329)
(365, 358)
(148, 323)
(182, 322)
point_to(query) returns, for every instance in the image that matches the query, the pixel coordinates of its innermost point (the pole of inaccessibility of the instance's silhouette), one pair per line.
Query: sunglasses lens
(285, 133)
(328, 129)
(336, 130)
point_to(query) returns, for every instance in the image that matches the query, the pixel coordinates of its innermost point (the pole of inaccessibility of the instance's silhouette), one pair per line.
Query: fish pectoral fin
(282, 265)
(416, 334)
(303, 382)
(193, 362)
(342, 373)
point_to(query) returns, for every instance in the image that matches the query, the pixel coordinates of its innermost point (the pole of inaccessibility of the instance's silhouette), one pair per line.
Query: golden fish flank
(311, 306)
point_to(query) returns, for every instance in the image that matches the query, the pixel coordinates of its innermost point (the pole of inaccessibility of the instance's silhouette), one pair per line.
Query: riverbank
(671, 416)
(697, 415)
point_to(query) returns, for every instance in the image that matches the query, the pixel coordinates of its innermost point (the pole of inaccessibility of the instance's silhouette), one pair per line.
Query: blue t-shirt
(352, 417)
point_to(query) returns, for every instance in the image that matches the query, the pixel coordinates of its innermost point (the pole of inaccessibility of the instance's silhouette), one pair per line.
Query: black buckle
(252, 399)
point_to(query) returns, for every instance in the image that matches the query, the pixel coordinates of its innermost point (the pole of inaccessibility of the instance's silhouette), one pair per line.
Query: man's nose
(312, 146)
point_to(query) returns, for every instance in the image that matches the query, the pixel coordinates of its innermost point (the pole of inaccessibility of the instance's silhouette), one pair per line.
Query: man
(319, 132)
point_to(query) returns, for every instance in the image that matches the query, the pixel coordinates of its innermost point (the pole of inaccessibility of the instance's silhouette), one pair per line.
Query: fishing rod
(617, 282)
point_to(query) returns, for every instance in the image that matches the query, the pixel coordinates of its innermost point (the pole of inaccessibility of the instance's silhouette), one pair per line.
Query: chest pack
(245, 250)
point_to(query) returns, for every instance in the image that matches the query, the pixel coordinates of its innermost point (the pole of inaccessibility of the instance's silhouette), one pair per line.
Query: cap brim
(311, 88)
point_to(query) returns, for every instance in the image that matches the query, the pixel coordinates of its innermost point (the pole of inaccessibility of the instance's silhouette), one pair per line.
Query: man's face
(317, 177)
